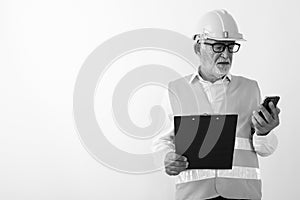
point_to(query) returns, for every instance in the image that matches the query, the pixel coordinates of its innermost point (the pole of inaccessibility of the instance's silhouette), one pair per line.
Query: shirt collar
(196, 75)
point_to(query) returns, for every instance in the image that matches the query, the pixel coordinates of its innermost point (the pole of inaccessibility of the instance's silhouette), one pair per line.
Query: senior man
(219, 92)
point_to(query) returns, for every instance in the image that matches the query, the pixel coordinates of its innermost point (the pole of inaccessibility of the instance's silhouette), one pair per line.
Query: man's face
(215, 65)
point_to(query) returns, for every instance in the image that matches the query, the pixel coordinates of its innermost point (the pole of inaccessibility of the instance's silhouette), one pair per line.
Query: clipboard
(206, 140)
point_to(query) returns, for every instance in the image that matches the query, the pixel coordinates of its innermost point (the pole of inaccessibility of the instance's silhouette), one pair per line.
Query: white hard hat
(218, 25)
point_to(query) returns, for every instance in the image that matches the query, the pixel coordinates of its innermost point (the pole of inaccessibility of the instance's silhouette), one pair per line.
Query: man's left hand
(261, 126)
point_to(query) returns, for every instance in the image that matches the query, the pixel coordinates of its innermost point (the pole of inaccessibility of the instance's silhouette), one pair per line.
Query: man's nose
(226, 53)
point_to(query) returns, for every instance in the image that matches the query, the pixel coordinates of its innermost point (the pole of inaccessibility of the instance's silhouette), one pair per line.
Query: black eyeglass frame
(224, 46)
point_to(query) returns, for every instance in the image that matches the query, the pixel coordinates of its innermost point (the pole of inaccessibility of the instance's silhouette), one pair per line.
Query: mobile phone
(266, 102)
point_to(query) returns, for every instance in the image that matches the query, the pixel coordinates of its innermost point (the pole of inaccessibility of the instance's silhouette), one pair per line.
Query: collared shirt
(215, 92)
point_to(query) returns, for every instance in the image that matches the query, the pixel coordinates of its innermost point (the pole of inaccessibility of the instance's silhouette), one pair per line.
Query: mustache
(223, 61)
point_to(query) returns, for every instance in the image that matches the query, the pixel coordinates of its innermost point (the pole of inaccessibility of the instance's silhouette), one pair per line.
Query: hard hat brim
(226, 39)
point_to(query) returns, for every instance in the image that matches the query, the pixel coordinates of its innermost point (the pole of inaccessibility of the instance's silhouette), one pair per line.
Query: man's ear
(197, 48)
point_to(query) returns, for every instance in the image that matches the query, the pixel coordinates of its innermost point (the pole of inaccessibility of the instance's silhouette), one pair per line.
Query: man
(219, 92)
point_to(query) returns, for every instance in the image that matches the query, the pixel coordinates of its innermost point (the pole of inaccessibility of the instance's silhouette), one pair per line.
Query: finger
(259, 119)
(171, 173)
(175, 164)
(171, 157)
(168, 163)
(267, 115)
(273, 109)
(179, 164)
(176, 169)
(262, 129)
(278, 110)
(181, 158)
(256, 124)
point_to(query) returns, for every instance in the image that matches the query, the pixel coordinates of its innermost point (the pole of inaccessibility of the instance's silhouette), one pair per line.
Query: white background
(42, 47)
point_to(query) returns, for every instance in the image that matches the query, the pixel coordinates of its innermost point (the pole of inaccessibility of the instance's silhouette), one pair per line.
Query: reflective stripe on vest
(243, 144)
(240, 172)
(236, 171)
(195, 175)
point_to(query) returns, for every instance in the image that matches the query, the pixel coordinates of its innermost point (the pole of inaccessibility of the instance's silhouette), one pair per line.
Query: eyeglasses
(220, 47)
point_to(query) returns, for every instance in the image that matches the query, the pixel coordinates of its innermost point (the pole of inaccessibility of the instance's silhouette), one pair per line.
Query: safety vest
(243, 180)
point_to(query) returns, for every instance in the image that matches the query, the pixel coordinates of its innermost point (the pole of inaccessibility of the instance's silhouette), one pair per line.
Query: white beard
(221, 73)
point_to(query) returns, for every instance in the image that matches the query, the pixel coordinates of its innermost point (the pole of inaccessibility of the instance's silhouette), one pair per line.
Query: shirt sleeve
(265, 145)
(163, 143)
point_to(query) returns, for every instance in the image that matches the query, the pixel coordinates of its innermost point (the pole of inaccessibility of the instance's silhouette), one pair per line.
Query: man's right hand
(174, 163)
